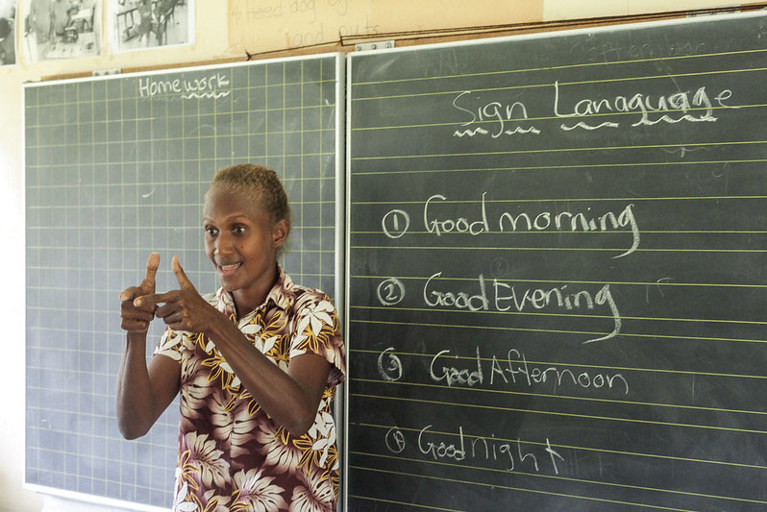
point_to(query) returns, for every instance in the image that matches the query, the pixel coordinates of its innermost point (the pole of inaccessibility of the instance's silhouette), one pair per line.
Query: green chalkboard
(116, 167)
(557, 267)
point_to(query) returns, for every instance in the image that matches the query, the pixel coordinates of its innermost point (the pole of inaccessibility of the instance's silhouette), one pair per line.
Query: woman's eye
(211, 232)
(239, 229)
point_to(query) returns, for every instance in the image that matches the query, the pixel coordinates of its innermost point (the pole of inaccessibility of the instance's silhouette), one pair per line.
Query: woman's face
(241, 241)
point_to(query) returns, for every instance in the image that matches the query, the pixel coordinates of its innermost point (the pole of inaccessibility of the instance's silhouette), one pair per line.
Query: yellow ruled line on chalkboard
(491, 122)
(565, 479)
(584, 448)
(559, 167)
(150, 161)
(562, 315)
(197, 135)
(561, 331)
(578, 281)
(570, 398)
(558, 200)
(157, 183)
(408, 504)
(555, 249)
(561, 67)
(563, 150)
(182, 117)
(513, 488)
(581, 233)
(550, 84)
(566, 414)
(248, 87)
(579, 365)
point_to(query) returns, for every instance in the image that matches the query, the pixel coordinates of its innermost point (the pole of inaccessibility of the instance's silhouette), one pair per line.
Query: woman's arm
(291, 398)
(143, 393)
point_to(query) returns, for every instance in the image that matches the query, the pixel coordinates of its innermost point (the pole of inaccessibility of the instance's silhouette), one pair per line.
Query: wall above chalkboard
(311, 26)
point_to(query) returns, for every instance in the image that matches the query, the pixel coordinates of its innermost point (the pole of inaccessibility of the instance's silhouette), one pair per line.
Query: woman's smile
(229, 269)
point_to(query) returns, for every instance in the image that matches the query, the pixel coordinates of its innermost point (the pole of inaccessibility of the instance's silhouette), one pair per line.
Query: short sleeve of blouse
(318, 331)
(171, 343)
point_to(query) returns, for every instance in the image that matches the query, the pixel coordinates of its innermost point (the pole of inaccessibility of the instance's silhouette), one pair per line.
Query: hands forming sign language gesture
(290, 398)
(182, 309)
(144, 392)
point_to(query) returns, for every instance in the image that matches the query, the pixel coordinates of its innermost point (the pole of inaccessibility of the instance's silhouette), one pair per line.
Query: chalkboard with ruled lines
(557, 263)
(116, 168)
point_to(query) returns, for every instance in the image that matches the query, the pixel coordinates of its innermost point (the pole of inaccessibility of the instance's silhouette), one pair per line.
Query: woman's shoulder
(303, 294)
(213, 297)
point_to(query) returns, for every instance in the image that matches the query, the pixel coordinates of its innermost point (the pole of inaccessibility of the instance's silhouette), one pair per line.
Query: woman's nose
(223, 244)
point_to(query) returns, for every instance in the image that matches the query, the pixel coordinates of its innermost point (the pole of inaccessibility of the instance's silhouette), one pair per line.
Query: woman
(256, 363)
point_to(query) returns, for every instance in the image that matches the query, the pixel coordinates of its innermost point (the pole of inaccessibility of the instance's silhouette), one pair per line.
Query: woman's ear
(280, 232)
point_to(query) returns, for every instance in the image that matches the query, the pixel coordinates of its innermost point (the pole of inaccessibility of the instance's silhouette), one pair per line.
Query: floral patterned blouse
(232, 456)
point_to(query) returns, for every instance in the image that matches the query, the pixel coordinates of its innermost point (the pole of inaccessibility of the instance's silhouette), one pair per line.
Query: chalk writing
(453, 375)
(192, 88)
(605, 50)
(515, 366)
(507, 118)
(395, 223)
(693, 107)
(389, 365)
(497, 117)
(510, 455)
(581, 221)
(513, 369)
(391, 291)
(502, 296)
(395, 440)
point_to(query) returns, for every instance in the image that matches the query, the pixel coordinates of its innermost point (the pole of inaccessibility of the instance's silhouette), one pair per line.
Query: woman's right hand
(137, 319)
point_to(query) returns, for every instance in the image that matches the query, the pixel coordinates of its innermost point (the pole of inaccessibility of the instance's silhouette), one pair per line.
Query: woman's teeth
(229, 269)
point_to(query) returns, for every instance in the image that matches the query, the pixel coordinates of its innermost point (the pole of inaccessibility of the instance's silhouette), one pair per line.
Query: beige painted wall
(256, 26)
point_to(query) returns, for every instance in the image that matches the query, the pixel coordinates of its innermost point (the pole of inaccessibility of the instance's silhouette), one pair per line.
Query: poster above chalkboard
(557, 257)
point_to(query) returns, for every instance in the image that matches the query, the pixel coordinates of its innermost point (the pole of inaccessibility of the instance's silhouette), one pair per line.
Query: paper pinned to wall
(299, 23)
(567, 9)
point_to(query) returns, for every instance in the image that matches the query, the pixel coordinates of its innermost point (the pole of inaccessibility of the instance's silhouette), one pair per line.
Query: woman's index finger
(181, 277)
(153, 299)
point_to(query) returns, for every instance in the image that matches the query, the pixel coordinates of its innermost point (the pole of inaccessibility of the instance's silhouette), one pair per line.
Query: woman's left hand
(183, 309)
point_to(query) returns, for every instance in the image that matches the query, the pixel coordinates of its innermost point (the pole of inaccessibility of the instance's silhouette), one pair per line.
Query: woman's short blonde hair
(262, 183)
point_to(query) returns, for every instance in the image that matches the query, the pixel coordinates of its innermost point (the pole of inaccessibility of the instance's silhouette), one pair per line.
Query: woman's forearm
(291, 399)
(143, 392)
(134, 394)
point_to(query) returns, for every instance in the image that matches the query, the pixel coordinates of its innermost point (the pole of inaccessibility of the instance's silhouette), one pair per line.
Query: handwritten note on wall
(258, 26)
